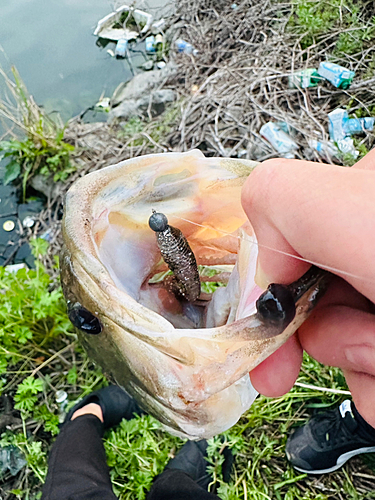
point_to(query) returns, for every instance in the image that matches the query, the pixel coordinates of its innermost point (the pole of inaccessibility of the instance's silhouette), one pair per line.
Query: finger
(362, 387)
(277, 374)
(367, 162)
(345, 337)
(323, 213)
(341, 336)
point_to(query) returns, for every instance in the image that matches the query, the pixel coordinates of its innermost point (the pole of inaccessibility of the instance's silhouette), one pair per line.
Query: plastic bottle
(185, 47)
(358, 125)
(339, 76)
(279, 139)
(61, 398)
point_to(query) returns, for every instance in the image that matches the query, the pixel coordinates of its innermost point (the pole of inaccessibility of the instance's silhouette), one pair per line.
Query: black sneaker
(115, 403)
(329, 439)
(192, 460)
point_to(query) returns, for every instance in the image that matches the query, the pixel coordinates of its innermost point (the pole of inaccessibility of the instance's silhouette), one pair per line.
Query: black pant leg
(174, 484)
(77, 464)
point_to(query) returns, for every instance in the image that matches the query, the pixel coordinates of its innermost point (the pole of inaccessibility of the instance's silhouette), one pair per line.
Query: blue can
(150, 44)
(121, 47)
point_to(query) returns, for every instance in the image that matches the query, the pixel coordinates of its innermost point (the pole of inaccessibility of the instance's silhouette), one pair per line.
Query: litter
(159, 40)
(327, 150)
(185, 47)
(150, 44)
(12, 459)
(341, 126)
(9, 225)
(13, 268)
(279, 139)
(103, 105)
(158, 26)
(47, 235)
(358, 125)
(339, 76)
(161, 64)
(61, 398)
(124, 23)
(346, 146)
(121, 47)
(304, 78)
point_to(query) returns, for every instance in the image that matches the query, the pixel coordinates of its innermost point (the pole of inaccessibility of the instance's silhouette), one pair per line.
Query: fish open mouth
(185, 355)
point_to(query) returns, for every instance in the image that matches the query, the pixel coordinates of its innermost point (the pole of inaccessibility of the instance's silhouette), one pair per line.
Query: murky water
(51, 44)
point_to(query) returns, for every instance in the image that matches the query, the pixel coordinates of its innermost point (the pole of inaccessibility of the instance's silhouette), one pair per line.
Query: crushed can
(304, 78)
(339, 76)
(279, 139)
(121, 46)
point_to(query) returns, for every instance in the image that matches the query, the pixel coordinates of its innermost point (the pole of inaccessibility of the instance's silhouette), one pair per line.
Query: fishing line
(287, 254)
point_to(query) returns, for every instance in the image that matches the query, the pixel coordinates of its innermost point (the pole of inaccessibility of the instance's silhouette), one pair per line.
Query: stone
(142, 84)
(156, 101)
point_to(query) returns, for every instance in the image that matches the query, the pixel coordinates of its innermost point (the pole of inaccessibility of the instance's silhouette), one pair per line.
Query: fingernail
(261, 278)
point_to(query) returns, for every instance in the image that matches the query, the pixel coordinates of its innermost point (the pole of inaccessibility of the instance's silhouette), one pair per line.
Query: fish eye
(158, 222)
(277, 304)
(84, 320)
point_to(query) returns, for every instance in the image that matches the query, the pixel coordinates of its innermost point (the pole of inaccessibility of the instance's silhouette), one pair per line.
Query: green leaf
(12, 171)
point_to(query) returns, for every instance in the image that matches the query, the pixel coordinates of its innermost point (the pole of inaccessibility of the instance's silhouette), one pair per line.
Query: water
(51, 44)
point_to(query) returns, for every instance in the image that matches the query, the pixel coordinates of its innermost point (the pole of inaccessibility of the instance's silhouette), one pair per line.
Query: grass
(39, 355)
(351, 23)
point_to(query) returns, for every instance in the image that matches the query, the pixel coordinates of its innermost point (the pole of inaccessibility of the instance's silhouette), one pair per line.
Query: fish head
(185, 363)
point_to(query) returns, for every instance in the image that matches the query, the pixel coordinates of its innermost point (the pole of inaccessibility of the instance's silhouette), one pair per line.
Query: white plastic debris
(327, 150)
(28, 221)
(13, 268)
(158, 26)
(346, 146)
(105, 27)
(281, 141)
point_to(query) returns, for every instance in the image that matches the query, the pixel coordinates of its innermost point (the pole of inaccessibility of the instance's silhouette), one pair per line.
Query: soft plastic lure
(178, 256)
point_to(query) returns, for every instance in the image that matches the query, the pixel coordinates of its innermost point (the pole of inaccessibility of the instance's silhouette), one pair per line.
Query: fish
(186, 362)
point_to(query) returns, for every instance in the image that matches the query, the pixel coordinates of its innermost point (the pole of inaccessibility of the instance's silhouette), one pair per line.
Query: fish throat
(178, 256)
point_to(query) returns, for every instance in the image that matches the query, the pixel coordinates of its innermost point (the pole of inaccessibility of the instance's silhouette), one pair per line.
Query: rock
(142, 84)
(46, 185)
(155, 101)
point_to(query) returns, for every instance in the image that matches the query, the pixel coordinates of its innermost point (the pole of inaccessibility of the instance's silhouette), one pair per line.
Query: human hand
(325, 214)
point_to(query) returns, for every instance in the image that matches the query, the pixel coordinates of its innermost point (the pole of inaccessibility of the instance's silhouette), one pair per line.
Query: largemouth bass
(186, 362)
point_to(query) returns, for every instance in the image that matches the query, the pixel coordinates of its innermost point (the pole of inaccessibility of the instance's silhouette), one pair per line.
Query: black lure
(178, 256)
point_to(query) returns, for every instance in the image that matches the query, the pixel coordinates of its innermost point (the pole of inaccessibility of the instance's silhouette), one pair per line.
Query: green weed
(43, 149)
(349, 20)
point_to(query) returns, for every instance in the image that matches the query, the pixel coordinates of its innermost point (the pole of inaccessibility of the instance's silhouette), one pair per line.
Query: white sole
(340, 461)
